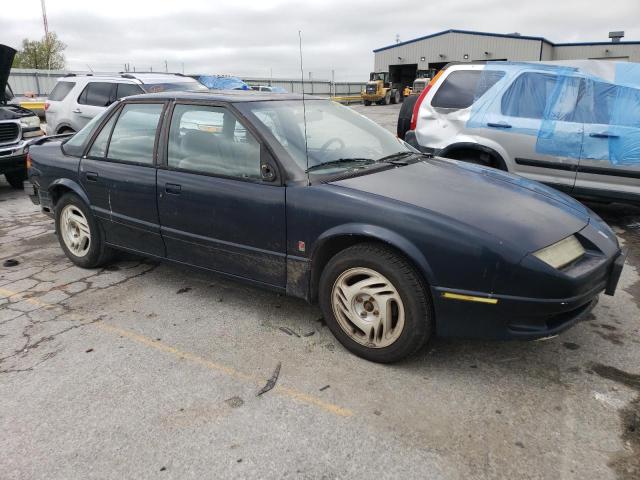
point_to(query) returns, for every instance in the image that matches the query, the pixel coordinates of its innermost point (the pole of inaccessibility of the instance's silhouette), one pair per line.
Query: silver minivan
(557, 124)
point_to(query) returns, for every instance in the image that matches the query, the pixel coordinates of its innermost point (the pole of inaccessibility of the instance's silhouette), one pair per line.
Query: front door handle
(603, 135)
(498, 125)
(91, 176)
(77, 110)
(172, 188)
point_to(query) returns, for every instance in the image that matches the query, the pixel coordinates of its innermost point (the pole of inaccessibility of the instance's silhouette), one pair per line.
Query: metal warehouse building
(423, 56)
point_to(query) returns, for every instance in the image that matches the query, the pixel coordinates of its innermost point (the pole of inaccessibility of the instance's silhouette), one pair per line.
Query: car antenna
(304, 108)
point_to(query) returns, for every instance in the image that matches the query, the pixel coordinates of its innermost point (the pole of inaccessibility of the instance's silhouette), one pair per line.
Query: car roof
(141, 77)
(231, 96)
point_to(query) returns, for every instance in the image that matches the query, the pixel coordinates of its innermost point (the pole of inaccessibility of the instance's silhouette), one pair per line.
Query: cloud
(256, 38)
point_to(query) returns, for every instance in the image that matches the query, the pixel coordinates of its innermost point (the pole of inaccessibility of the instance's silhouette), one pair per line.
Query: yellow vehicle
(407, 91)
(379, 90)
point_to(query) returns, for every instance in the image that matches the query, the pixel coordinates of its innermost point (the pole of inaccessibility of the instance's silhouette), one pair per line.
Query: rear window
(61, 90)
(463, 87)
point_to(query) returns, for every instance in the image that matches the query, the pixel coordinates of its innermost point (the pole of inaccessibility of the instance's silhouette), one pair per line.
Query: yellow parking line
(230, 372)
(33, 301)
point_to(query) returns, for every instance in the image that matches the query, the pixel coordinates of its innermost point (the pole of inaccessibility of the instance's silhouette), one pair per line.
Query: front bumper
(513, 317)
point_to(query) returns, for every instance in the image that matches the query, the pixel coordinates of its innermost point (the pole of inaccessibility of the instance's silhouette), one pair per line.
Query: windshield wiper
(394, 157)
(341, 161)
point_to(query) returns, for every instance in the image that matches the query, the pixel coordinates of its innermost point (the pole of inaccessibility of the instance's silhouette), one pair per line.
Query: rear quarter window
(462, 88)
(61, 90)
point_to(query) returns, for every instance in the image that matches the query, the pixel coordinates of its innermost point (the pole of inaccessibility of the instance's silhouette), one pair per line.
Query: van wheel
(16, 178)
(79, 234)
(375, 303)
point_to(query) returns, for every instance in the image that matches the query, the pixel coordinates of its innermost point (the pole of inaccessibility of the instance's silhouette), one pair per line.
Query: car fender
(380, 234)
(71, 185)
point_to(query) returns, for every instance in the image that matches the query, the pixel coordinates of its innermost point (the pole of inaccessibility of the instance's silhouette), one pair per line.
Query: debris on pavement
(288, 331)
(272, 381)
(11, 262)
(308, 334)
(324, 388)
(183, 290)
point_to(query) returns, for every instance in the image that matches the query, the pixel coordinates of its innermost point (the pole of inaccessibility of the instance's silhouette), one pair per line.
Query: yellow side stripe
(469, 298)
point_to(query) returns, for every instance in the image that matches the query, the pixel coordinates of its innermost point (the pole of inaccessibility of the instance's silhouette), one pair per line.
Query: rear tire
(396, 97)
(387, 98)
(16, 178)
(384, 285)
(79, 234)
(404, 117)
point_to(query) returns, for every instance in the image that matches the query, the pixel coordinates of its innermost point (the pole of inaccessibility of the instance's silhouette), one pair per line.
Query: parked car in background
(557, 124)
(76, 99)
(316, 201)
(268, 88)
(222, 82)
(17, 126)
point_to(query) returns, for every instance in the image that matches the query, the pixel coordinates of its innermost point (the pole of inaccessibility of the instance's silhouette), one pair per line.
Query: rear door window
(61, 90)
(134, 134)
(463, 87)
(128, 89)
(538, 95)
(98, 94)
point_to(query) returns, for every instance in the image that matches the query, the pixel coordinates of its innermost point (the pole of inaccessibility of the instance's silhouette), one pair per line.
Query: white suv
(76, 99)
(561, 125)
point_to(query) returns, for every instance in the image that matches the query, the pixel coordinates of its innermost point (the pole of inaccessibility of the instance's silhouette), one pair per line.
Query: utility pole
(46, 33)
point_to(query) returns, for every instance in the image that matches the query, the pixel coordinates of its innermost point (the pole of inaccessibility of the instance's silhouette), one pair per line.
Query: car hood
(14, 112)
(6, 59)
(521, 212)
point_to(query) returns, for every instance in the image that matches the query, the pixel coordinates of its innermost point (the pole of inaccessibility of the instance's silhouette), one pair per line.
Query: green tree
(47, 53)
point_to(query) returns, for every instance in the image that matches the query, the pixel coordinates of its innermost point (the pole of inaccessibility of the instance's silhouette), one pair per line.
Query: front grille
(371, 89)
(9, 132)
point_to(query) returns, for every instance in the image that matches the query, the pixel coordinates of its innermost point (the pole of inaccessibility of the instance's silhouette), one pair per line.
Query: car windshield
(337, 138)
(193, 86)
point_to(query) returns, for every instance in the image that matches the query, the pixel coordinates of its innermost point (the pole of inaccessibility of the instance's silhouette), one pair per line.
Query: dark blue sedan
(313, 200)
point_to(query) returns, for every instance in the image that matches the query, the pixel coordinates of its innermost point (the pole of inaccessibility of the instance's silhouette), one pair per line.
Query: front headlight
(30, 122)
(561, 253)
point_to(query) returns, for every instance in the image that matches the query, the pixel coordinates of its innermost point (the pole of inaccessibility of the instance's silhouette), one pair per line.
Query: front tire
(16, 178)
(375, 303)
(79, 233)
(367, 103)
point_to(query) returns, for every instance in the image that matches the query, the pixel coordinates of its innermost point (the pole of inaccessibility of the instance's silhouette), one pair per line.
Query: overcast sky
(253, 38)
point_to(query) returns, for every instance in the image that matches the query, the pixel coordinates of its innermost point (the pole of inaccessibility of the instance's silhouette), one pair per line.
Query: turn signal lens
(28, 161)
(561, 253)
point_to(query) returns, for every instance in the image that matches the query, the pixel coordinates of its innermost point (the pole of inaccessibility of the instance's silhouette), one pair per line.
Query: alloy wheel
(368, 307)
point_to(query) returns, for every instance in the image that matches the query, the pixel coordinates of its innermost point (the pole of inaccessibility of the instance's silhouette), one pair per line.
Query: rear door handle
(173, 188)
(603, 135)
(498, 125)
(77, 110)
(91, 176)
